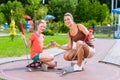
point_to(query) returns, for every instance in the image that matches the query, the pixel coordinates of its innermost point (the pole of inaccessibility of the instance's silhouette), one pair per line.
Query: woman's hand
(54, 44)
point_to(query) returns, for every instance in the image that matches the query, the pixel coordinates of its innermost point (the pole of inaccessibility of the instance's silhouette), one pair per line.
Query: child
(36, 46)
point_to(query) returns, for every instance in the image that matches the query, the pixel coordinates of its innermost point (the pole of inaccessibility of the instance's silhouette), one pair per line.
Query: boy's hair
(69, 14)
(41, 21)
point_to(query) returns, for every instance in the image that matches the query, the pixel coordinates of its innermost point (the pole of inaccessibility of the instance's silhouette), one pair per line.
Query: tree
(2, 18)
(59, 7)
(91, 10)
(83, 11)
(35, 9)
(16, 7)
(108, 2)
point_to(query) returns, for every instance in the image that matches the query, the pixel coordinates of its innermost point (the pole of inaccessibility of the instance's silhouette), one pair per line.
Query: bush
(2, 18)
(48, 32)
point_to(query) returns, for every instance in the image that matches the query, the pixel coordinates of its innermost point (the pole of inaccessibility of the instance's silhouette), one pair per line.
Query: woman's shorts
(91, 52)
(37, 57)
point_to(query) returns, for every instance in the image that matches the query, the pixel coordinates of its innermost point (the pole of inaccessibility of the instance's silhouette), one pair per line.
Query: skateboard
(30, 69)
(68, 70)
(38, 66)
(34, 66)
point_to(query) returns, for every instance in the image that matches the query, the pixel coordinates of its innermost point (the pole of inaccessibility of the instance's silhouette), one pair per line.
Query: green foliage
(48, 32)
(107, 15)
(59, 7)
(16, 7)
(33, 2)
(92, 23)
(1, 79)
(103, 12)
(2, 18)
(82, 11)
(36, 10)
(91, 10)
(63, 29)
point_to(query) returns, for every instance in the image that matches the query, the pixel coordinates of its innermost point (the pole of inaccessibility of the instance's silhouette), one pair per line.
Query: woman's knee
(78, 43)
(66, 57)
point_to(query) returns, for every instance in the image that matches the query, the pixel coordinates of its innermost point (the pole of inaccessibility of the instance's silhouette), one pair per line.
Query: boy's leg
(36, 61)
(47, 61)
(48, 65)
(46, 58)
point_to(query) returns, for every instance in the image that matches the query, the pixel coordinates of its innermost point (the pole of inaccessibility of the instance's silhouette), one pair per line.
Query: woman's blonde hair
(69, 14)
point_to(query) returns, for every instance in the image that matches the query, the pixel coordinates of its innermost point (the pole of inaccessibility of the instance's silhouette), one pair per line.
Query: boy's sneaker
(44, 67)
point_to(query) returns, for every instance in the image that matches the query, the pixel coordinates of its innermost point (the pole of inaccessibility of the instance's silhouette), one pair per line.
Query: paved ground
(94, 70)
(113, 56)
(3, 34)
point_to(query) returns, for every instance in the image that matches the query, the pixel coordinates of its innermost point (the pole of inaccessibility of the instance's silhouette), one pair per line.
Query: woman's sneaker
(77, 68)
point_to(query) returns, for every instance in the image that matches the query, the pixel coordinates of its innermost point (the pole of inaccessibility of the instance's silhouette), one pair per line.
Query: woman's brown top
(81, 36)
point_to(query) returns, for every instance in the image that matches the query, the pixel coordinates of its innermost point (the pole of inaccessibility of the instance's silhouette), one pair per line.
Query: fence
(104, 30)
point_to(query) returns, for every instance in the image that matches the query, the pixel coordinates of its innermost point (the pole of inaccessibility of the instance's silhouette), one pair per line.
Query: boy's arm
(49, 45)
(25, 42)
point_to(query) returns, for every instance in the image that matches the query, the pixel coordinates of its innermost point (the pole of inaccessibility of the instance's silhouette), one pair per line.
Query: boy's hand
(54, 44)
(23, 37)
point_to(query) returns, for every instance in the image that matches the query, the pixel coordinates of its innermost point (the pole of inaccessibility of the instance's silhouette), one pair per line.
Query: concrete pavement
(94, 70)
(113, 55)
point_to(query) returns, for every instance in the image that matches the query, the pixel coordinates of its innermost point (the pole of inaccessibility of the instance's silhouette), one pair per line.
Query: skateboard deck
(40, 66)
(30, 69)
(56, 70)
(34, 66)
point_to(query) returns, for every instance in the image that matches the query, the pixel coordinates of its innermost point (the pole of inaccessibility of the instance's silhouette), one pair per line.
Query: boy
(36, 41)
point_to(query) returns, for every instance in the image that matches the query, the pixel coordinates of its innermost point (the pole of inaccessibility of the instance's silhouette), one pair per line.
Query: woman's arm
(85, 31)
(69, 46)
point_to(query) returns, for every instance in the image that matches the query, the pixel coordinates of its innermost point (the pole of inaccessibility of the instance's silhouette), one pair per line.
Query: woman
(36, 41)
(77, 33)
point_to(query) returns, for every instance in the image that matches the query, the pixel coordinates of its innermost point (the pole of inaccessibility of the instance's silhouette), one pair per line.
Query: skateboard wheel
(59, 69)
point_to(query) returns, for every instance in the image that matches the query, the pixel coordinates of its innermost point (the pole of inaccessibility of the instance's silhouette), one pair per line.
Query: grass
(103, 36)
(1, 79)
(16, 47)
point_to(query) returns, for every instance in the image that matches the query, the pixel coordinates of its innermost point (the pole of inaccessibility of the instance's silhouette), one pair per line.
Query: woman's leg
(82, 52)
(68, 55)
